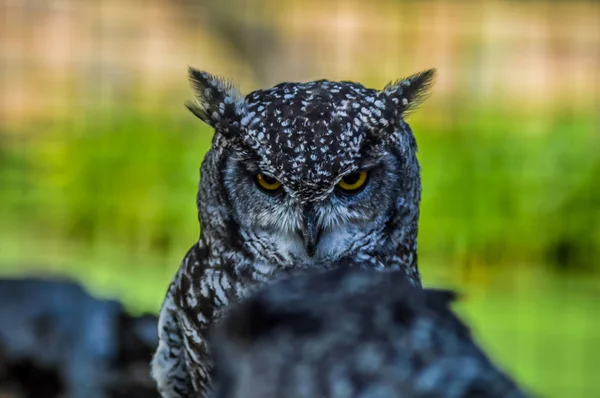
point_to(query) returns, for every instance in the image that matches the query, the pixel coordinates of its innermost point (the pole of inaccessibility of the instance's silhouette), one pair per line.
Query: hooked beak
(310, 232)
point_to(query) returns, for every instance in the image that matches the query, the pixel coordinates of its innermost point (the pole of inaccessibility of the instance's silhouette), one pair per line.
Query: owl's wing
(169, 362)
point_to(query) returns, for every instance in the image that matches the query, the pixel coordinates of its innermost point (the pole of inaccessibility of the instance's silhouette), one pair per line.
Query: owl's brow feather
(250, 163)
(246, 156)
(371, 162)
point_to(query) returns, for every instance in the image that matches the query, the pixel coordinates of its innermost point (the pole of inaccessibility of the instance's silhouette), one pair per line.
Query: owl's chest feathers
(215, 275)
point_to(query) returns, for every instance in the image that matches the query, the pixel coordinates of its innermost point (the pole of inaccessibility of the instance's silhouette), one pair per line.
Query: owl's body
(299, 176)
(350, 333)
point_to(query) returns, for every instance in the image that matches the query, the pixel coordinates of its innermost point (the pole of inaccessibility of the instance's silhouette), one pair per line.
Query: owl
(298, 176)
(350, 333)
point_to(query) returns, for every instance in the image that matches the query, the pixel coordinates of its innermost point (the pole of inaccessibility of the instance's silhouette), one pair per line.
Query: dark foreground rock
(56, 340)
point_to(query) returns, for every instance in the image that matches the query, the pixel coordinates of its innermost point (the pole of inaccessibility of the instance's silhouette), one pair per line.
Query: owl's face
(313, 171)
(352, 206)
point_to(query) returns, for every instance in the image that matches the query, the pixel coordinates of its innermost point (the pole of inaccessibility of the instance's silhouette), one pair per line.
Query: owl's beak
(310, 232)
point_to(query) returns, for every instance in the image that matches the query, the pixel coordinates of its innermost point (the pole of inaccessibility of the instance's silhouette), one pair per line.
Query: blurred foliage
(497, 189)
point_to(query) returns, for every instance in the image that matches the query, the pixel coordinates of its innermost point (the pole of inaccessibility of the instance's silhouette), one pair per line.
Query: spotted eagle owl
(350, 333)
(298, 176)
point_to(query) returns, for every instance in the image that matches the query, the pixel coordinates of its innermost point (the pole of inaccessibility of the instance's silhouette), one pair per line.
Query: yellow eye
(353, 182)
(267, 183)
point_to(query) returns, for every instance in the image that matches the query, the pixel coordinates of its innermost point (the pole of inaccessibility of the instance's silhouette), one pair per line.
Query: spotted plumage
(307, 137)
(350, 333)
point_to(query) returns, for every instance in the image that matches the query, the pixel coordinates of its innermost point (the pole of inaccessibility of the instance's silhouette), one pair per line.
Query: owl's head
(311, 172)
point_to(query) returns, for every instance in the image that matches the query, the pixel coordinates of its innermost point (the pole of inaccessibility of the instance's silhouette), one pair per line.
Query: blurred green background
(99, 159)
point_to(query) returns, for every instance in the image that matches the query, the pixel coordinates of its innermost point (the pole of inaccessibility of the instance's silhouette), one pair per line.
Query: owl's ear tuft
(217, 101)
(408, 93)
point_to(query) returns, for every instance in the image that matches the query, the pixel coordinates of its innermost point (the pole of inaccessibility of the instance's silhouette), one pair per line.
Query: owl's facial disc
(283, 224)
(309, 213)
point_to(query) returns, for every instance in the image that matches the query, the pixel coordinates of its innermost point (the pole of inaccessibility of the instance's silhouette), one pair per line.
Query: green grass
(109, 199)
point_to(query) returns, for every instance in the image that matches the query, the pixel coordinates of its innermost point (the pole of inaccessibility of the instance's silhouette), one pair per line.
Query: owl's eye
(267, 183)
(353, 182)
